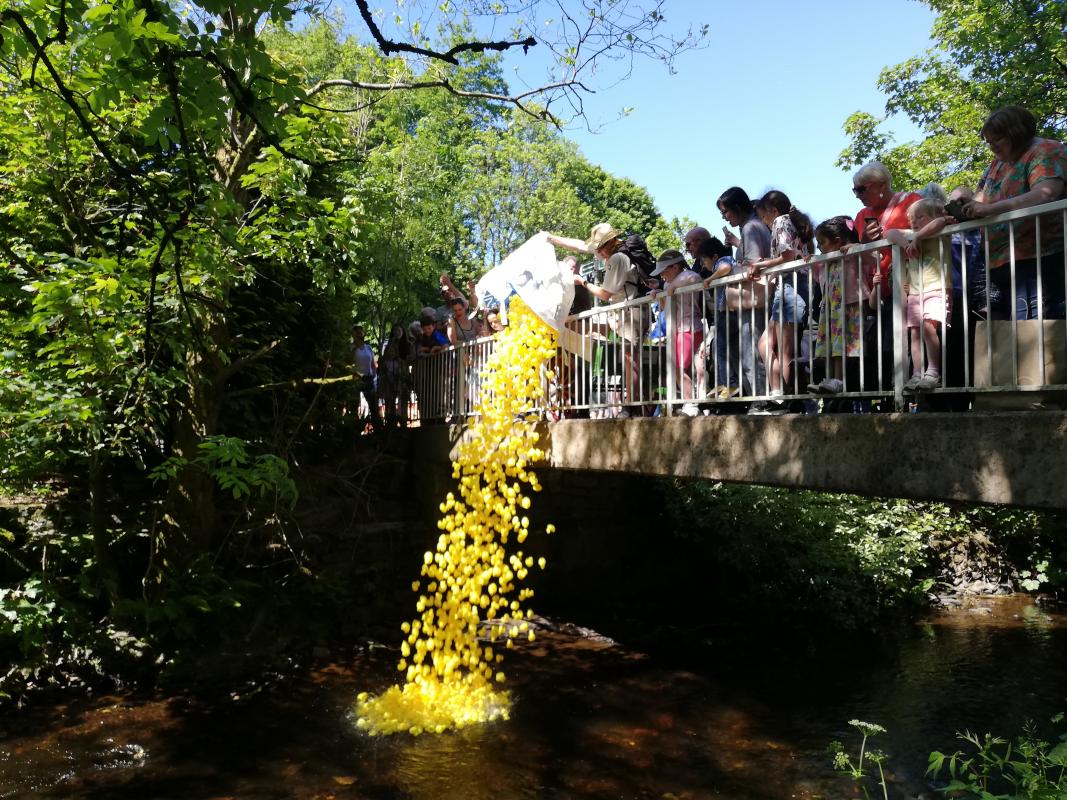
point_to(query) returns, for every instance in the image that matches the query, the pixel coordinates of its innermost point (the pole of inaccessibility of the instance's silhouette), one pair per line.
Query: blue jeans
(1026, 306)
(789, 302)
(736, 360)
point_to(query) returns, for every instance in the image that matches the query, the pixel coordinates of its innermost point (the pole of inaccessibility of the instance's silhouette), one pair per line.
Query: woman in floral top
(1026, 171)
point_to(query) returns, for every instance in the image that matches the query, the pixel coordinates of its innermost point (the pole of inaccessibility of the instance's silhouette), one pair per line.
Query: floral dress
(843, 292)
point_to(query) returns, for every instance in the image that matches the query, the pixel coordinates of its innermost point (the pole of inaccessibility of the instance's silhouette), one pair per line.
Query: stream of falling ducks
(452, 676)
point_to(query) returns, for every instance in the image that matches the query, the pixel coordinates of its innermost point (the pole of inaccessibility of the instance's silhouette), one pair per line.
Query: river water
(592, 718)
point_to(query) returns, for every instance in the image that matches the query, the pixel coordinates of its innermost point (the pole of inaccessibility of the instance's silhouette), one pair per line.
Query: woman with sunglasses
(883, 210)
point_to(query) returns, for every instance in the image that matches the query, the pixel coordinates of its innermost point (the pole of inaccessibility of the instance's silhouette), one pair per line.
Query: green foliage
(50, 628)
(190, 221)
(857, 769)
(986, 54)
(190, 605)
(848, 559)
(843, 558)
(227, 460)
(1030, 768)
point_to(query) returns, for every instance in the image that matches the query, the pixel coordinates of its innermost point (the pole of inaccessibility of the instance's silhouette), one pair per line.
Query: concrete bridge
(1009, 458)
(990, 353)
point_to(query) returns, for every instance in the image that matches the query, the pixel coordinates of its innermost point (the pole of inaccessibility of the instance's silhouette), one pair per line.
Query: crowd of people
(387, 380)
(844, 302)
(744, 337)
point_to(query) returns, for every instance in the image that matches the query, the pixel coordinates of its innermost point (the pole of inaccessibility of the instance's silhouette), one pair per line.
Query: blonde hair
(927, 206)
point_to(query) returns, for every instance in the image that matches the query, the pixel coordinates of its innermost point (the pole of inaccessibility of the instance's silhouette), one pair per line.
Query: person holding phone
(884, 210)
(1026, 171)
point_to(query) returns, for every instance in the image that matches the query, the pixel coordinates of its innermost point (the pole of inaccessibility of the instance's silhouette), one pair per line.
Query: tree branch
(388, 47)
(516, 100)
(238, 364)
(64, 90)
(294, 384)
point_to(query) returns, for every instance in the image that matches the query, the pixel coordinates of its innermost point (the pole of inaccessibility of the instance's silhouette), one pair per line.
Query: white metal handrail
(621, 369)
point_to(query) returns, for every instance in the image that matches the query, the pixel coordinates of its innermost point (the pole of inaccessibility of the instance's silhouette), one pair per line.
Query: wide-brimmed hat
(667, 259)
(601, 234)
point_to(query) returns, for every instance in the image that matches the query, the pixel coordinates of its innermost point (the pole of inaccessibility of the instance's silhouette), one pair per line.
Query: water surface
(592, 718)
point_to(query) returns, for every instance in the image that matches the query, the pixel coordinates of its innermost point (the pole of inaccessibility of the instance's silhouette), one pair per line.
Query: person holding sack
(621, 282)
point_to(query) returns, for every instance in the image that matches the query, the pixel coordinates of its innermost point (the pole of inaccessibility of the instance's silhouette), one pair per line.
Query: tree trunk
(190, 517)
(107, 566)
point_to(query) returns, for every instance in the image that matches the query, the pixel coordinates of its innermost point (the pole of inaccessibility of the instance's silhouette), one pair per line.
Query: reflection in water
(592, 719)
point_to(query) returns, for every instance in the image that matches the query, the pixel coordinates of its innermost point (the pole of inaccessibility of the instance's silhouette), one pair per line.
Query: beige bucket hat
(601, 234)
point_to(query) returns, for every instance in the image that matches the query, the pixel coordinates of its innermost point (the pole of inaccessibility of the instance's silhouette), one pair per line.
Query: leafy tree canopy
(986, 54)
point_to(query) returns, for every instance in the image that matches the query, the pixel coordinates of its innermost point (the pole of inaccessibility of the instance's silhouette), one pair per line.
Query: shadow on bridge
(1015, 459)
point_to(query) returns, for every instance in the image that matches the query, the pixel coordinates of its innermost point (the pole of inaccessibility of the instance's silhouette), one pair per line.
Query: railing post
(900, 351)
(460, 383)
(668, 309)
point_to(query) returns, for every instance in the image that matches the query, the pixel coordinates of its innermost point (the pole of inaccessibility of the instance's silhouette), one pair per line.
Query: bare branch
(240, 363)
(389, 47)
(517, 100)
(294, 384)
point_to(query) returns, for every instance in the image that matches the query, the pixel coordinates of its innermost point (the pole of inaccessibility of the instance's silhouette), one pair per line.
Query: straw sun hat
(601, 234)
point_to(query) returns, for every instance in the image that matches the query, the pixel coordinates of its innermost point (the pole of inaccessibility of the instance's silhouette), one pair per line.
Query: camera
(591, 273)
(954, 208)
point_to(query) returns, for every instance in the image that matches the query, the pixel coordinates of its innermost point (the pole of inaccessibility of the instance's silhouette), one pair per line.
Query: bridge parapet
(1016, 459)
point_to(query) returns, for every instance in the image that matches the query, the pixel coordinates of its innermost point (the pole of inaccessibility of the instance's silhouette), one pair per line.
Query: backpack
(637, 251)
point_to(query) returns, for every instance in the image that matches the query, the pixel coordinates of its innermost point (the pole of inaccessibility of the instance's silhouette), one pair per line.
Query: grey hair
(874, 171)
(934, 191)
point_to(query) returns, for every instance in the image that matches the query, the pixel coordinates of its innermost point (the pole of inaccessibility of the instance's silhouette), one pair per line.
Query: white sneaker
(624, 414)
(912, 383)
(931, 380)
(690, 410)
(830, 386)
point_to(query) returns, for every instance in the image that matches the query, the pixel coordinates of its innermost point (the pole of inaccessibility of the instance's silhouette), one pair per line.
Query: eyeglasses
(858, 190)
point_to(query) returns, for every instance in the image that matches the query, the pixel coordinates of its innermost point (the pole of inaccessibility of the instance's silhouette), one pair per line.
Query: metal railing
(713, 348)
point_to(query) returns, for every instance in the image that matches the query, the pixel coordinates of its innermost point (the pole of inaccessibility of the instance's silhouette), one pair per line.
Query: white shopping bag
(545, 285)
(533, 273)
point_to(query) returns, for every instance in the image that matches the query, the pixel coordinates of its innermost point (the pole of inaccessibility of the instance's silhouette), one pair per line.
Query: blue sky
(762, 107)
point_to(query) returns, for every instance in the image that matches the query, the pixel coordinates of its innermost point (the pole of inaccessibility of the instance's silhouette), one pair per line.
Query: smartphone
(954, 208)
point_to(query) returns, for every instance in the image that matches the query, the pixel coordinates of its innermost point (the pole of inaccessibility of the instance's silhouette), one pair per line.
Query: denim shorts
(794, 305)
